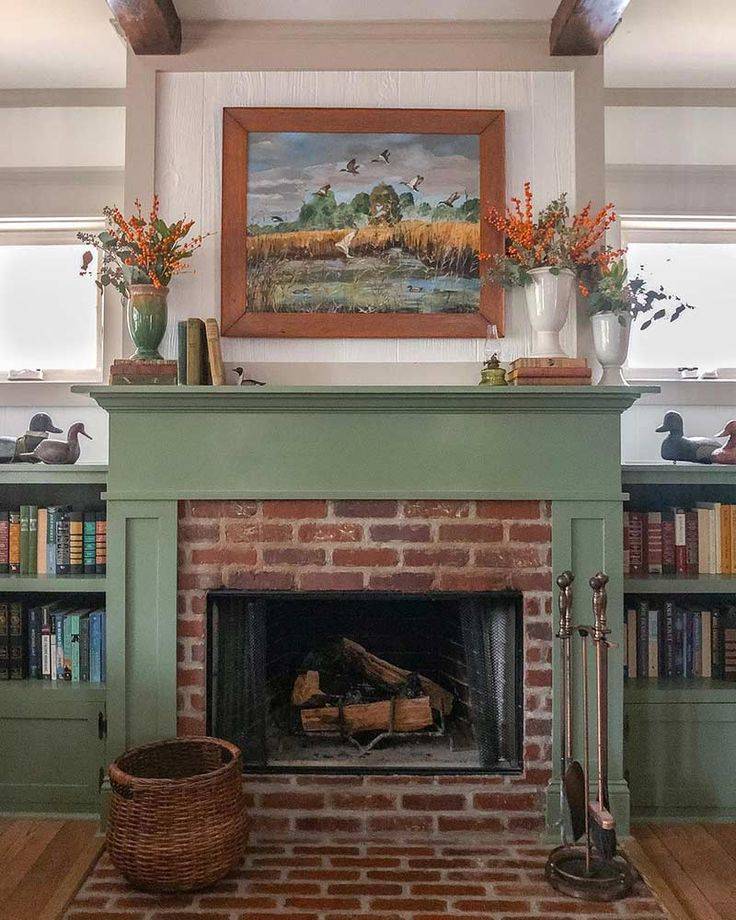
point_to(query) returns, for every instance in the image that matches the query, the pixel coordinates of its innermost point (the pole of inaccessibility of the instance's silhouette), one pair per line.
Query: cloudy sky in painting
(286, 169)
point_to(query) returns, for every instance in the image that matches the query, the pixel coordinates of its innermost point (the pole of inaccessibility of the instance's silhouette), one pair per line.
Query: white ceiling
(59, 43)
(674, 43)
(366, 11)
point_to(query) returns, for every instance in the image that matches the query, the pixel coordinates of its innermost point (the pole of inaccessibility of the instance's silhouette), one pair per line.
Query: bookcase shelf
(53, 732)
(680, 584)
(65, 584)
(680, 733)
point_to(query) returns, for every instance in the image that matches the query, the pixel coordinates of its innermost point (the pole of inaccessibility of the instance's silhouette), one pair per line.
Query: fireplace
(367, 682)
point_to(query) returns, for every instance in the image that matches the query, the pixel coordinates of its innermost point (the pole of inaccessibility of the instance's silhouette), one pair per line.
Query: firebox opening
(367, 682)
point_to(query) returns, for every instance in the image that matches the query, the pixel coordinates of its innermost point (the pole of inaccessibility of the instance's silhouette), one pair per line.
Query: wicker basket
(177, 818)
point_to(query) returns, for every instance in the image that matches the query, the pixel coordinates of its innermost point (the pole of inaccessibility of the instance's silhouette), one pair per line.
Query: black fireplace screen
(367, 681)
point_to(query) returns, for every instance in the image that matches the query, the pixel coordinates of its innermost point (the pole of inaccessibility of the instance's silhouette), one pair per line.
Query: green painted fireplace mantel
(170, 443)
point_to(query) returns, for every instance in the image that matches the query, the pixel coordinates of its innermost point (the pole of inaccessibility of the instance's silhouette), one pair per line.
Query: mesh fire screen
(367, 682)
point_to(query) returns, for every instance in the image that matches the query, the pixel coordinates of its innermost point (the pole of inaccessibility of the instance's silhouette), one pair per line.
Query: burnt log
(408, 716)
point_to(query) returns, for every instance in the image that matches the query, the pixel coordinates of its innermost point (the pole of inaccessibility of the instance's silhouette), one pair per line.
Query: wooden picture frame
(238, 320)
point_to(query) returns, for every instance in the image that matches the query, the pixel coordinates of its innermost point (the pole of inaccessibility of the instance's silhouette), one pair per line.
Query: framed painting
(359, 223)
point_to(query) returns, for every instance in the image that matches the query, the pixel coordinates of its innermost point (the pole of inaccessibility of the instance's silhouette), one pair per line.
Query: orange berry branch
(139, 249)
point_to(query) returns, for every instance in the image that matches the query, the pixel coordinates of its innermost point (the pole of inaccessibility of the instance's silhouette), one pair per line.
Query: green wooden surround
(172, 443)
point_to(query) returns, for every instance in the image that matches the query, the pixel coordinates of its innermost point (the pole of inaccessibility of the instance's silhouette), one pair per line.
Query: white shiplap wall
(539, 146)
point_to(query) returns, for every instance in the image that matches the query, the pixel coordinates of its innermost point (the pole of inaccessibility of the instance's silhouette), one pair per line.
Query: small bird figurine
(449, 202)
(677, 447)
(414, 183)
(62, 452)
(383, 157)
(243, 381)
(352, 167)
(727, 453)
(323, 190)
(39, 428)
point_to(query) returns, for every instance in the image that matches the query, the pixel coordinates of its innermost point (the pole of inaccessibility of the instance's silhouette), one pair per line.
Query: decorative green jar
(147, 319)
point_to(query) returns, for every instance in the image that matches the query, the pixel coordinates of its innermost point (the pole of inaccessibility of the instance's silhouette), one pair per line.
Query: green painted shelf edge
(13, 692)
(695, 690)
(665, 474)
(368, 399)
(66, 584)
(42, 474)
(672, 584)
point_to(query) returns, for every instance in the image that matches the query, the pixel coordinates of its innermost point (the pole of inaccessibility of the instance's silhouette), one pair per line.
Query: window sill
(675, 392)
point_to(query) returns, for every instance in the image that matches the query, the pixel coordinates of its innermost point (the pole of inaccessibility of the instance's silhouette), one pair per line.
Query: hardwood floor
(42, 863)
(690, 867)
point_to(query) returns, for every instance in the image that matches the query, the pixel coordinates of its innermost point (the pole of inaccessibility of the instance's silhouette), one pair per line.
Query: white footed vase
(611, 333)
(548, 299)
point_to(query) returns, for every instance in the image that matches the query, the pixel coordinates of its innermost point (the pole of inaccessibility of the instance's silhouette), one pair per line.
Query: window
(695, 259)
(50, 316)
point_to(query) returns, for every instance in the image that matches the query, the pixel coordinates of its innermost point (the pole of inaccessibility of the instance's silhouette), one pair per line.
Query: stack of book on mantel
(547, 372)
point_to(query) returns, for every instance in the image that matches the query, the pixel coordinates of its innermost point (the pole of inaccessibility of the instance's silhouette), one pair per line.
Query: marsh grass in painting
(363, 223)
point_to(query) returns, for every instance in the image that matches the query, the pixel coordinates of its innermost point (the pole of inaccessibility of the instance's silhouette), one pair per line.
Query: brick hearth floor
(500, 879)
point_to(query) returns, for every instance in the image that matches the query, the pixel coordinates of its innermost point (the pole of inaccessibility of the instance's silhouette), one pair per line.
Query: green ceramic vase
(147, 319)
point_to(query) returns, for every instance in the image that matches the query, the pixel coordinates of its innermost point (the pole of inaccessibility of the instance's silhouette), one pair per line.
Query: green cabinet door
(678, 760)
(53, 750)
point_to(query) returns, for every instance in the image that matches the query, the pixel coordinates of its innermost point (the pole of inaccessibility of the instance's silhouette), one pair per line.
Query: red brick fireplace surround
(401, 546)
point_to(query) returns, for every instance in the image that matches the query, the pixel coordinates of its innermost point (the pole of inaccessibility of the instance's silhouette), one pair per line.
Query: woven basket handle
(118, 784)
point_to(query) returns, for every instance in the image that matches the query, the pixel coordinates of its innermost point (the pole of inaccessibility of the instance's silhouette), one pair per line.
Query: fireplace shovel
(573, 799)
(602, 823)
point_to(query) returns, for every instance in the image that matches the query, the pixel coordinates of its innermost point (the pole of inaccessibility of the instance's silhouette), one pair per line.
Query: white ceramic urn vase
(548, 299)
(611, 333)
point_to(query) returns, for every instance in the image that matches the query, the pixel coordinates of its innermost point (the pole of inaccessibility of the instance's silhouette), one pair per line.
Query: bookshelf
(54, 732)
(680, 734)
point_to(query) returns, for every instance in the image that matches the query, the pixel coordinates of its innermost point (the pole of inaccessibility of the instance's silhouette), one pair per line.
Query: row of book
(52, 541)
(52, 642)
(697, 541)
(666, 640)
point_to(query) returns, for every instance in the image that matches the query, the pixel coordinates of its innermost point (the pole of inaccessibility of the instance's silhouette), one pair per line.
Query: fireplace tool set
(591, 871)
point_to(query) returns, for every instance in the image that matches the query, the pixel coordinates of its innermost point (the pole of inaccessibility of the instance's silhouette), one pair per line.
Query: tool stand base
(607, 880)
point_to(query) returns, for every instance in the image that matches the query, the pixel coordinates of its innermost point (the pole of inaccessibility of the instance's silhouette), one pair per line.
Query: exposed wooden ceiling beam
(580, 27)
(151, 26)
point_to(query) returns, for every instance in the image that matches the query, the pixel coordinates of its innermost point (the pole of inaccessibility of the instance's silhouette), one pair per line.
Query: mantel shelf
(365, 399)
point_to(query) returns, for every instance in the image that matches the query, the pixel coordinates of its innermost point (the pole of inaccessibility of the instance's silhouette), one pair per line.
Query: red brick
(222, 555)
(403, 823)
(408, 904)
(235, 902)
(295, 509)
(324, 903)
(258, 532)
(472, 581)
(402, 581)
(471, 533)
(331, 581)
(365, 509)
(405, 875)
(439, 508)
(532, 581)
(328, 824)
(344, 532)
(293, 555)
(191, 628)
(223, 509)
(407, 533)
(509, 557)
(525, 823)
(436, 557)
(363, 800)
(187, 727)
(287, 887)
(540, 678)
(264, 581)
(429, 802)
(496, 905)
(365, 888)
(509, 510)
(190, 677)
(360, 556)
(448, 889)
(326, 875)
(293, 800)
(505, 801)
(538, 631)
(480, 823)
(568, 906)
(199, 531)
(530, 533)
(538, 728)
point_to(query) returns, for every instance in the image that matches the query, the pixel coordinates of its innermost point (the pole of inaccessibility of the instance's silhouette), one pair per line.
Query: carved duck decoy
(677, 447)
(39, 428)
(727, 453)
(243, 381)
(51, 451)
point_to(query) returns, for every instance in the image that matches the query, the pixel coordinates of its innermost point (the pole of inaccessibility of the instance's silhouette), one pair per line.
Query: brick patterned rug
(501, 879)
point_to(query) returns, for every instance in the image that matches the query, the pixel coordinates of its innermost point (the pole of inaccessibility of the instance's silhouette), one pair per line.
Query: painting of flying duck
(359, 223)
